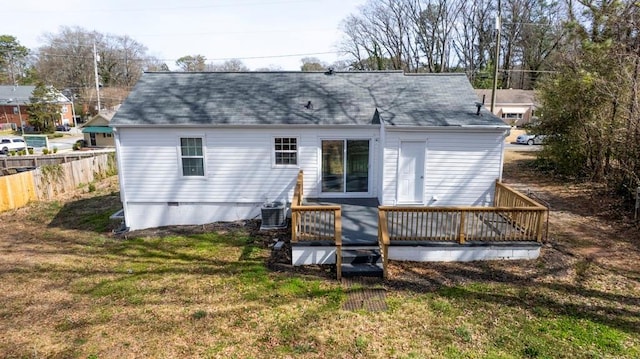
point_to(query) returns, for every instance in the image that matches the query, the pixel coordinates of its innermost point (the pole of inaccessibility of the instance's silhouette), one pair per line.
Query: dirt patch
(590, 233)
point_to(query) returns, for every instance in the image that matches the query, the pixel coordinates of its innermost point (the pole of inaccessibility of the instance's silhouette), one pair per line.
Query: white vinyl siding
(460, 167)
(238, 166)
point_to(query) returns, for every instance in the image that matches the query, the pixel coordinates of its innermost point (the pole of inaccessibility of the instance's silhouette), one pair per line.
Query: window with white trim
(192, 156)
(286, 151)
(511, 116)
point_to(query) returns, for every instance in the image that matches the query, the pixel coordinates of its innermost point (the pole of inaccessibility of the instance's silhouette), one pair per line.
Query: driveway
(66, 142)
(518, 147)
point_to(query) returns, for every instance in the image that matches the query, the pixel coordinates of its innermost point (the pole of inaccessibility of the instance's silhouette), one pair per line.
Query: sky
(261, 33)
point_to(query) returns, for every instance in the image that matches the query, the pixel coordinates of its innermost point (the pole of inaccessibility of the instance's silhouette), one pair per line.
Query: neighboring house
(195, 148)
(515, 107)
(14, 103)
(97, 132)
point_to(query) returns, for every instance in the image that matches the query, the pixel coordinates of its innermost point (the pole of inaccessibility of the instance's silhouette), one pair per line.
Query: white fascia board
(479, 128)
(247, 127)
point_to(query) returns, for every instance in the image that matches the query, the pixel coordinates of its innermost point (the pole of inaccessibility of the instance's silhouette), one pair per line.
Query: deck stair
(361, 263)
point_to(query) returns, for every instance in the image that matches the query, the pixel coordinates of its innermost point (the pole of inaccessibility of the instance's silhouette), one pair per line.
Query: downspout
(380, 162)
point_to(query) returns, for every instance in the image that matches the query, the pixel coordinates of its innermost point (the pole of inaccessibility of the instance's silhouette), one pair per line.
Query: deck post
(383, 239)
(300, 185)
(540, 224)
(294, 225)
(462, 226)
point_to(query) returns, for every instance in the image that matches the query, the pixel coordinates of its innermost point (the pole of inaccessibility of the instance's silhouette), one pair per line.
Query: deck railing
(514, 217)
(315, 223)
(506, 196)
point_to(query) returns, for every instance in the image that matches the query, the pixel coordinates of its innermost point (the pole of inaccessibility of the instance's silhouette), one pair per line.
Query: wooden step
(362, 270)
(361, 263)
(356, 256)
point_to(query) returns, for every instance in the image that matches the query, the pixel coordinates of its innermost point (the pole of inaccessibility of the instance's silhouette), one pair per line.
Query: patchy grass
(71, 289)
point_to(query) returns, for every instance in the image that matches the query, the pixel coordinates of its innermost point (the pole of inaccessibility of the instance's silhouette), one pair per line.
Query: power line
(173, 8)
(207, 59)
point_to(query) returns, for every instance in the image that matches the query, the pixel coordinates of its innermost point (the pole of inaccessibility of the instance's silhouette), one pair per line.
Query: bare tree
(269, 68)
(312, 64)
(434, 23)
(192, 63)
(233, 65)
(472, 39)
(379, 37)
(66, 61)
(454, 35)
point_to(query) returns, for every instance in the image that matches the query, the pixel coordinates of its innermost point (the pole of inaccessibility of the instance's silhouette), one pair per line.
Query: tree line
(456, 35)
(589, 101)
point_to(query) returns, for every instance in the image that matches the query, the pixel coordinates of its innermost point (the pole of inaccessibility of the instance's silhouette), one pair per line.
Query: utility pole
(495, 65)
(20, 118)
(95, 70)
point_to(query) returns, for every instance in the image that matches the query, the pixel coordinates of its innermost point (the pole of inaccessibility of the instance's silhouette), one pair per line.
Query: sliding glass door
(345, 166)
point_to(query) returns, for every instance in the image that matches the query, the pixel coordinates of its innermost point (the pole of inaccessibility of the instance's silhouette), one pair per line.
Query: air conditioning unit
(274, 215)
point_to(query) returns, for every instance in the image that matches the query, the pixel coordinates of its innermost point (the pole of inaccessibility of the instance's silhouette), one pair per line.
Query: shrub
(45, 151)
(31, 151)
(55, 150)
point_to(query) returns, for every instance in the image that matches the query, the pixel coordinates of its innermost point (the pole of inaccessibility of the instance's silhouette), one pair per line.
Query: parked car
(526, 139)
(12, 144)
(64, 128)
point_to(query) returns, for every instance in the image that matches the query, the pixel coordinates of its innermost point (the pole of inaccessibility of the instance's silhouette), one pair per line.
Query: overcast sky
(259, 32)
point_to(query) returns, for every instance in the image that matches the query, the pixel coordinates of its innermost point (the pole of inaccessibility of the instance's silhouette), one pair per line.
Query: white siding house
(196, 148)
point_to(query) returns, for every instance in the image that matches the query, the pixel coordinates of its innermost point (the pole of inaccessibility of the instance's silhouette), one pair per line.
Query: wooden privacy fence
(43, 160)
(315, 223)
(50, 181)
(17, 190)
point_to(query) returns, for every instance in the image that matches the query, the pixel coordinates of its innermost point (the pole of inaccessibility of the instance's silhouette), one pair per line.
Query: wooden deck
(413, 224)
(510, 229)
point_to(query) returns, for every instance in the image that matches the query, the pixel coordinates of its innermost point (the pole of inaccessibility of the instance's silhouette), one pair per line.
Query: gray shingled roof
(508, 96)
(263, 98)
(12, 94)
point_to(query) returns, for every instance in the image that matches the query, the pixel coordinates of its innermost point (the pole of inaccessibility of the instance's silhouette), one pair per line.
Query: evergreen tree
(44, 108)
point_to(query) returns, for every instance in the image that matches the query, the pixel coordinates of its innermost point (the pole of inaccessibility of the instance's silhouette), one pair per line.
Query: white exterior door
(411, 172)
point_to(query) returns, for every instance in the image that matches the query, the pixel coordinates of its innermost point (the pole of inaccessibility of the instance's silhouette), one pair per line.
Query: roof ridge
(273, 72)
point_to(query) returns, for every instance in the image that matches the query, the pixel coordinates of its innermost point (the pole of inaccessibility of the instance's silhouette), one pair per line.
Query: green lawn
(70, 289)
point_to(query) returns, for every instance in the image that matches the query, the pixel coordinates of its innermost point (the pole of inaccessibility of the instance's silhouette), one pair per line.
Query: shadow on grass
(89, 214)
(488, 283)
